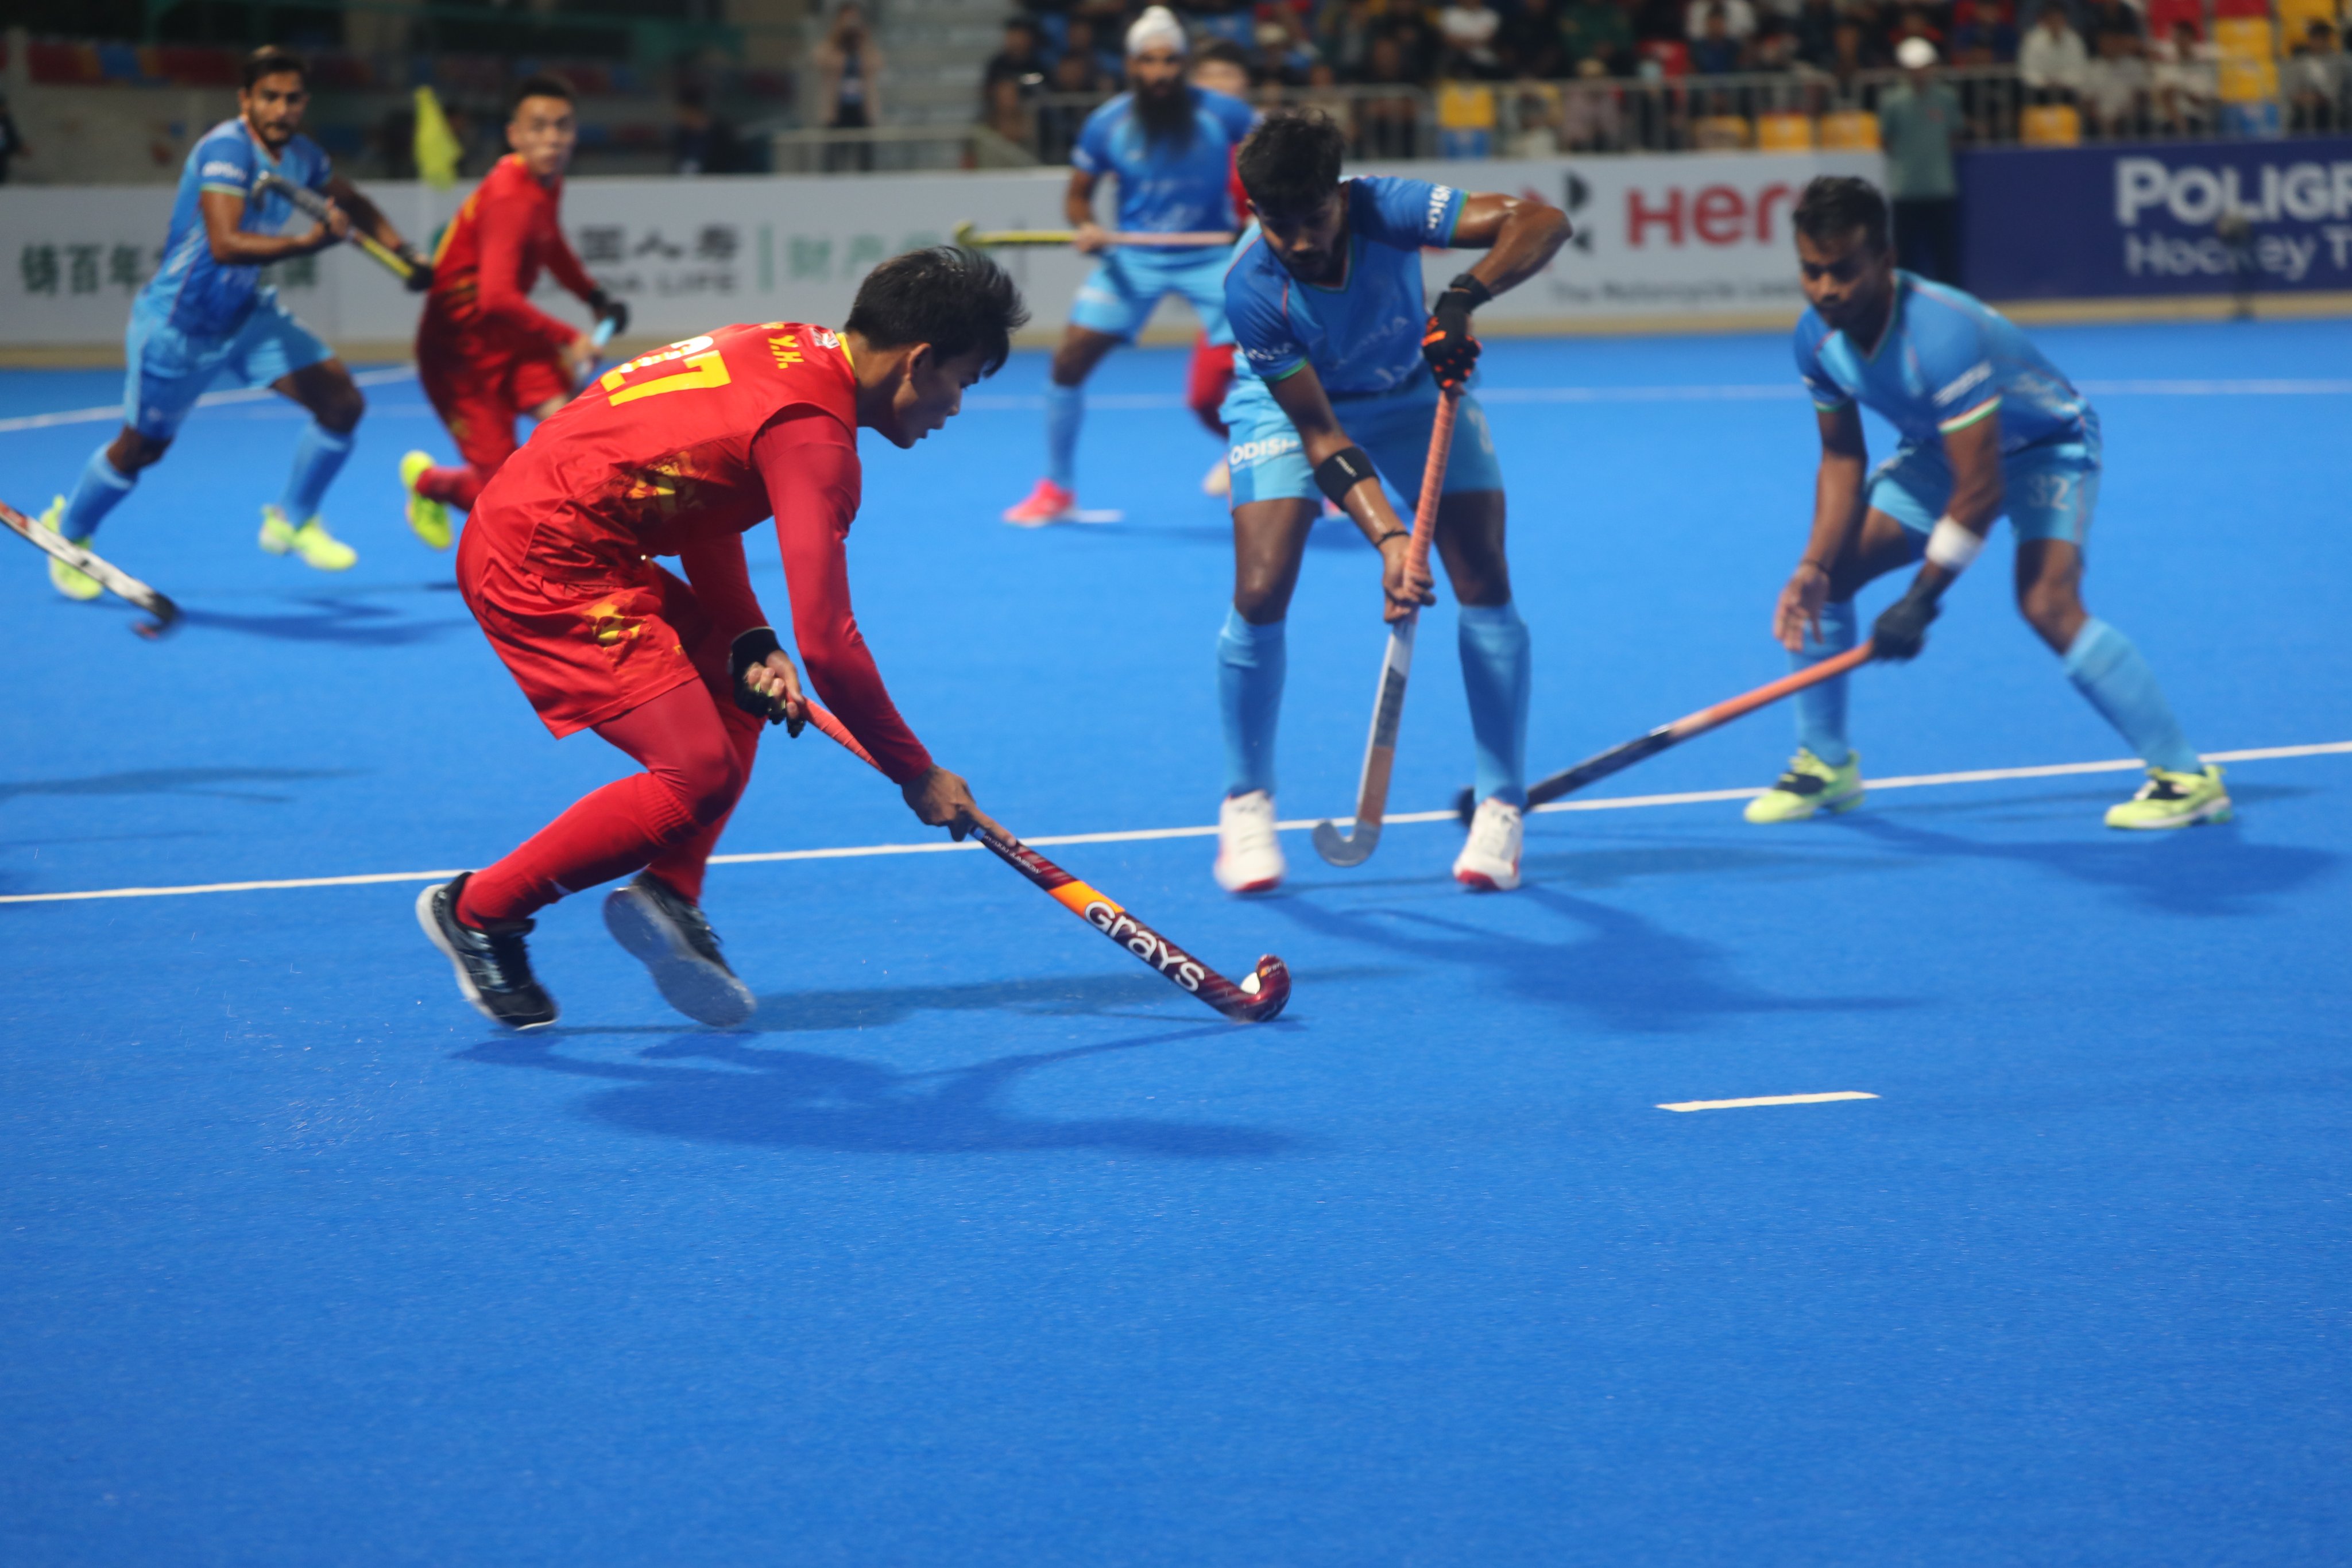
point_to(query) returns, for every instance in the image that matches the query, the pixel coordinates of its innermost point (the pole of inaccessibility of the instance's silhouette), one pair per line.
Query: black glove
(1446, 343)
(420, 269)
(752, 648)
(1901, 628)
(608, 308)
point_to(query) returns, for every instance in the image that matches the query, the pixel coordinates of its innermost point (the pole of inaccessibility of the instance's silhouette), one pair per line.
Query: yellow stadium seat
(1720, 133)
(2051, 125)
(1784, 133)
(1465, 106)
(1850, 130)
(2295, 17)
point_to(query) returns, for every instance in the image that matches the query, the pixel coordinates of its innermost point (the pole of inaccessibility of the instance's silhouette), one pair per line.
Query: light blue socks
(1250, 664)
(99, 490)
(1820, 710)
(1497, 674)
(1065, 410)
(2108, 668)
(317, 457)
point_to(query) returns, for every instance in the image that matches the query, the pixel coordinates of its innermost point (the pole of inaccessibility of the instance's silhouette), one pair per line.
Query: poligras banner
(2084, 223)
(1677, 236)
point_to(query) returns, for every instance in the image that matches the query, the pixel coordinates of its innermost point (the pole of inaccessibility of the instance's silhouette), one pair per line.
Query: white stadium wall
(1668, 236)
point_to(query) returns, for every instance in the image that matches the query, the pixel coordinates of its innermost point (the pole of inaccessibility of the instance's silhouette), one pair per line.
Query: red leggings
(665, 820)
(1210, 377)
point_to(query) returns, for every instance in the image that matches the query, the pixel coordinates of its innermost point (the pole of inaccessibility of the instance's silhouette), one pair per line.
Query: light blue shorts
(1126, 287)
(2048, 492)
(170, 369)
(1392, 427)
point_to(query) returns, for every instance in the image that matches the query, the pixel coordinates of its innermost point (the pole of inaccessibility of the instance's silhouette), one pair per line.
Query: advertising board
(2147, 218)
(1656, 235)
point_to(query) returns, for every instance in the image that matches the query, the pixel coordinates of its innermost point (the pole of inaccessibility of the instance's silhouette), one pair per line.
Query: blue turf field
(984, 1246)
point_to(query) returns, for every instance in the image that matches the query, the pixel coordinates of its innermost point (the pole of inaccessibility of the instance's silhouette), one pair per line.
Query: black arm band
(1468, 283)
(1342, 472)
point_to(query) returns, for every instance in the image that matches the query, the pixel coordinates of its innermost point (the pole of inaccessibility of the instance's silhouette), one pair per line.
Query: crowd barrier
(1691, 236)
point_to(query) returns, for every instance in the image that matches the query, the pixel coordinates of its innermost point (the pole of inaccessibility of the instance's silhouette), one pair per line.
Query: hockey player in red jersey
(678, 453)
(487, 355)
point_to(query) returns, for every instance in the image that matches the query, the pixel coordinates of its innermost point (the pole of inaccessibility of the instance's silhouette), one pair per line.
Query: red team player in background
(1220, 66)
(485, 354)
(679, 452)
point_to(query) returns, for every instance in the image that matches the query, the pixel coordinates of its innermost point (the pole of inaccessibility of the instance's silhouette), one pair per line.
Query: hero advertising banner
(2132, 219)
(1685, 234)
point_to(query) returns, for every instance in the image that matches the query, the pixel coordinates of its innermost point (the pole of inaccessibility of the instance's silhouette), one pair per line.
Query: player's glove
(608, 308)
(1446, 343)
(1901, 628)
(420, 269)
(752, 648)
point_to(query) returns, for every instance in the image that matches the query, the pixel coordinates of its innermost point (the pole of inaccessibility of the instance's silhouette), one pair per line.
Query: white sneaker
(1490, 863)
(1218, 481)
(1249, 852)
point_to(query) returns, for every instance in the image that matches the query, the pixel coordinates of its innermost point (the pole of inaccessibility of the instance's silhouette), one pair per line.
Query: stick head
(1341, 850)
(1466, 806)
(1267, 989)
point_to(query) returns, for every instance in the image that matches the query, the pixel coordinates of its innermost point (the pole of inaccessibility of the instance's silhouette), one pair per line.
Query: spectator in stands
(1229, 19)
(702, 142)
(849, 74)
(1715, 52)
(1918, 121)
(2184, 80)
(1344, 32)
(1530, 43)
(1387, 126)
(2113, 16)
(2115, 83)
(1073, 76)
(1738, 19)
(1415, 44)
(1221, 67)
(1981, 35)
(2317, 82)
(1467, 28)
(1816, 33)
(1658, 22)
(1849, 55)
(1008, 111)
(1018, 62)
(2052, 62)
(11, 142)
(1591, 112)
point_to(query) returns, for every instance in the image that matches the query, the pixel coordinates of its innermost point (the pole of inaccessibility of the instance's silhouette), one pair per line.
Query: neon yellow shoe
(1811, 785)
(428, 519)
(67, 581)
(2174, 801)
(311, 542)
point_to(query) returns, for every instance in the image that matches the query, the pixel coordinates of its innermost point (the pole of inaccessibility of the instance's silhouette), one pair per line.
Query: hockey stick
(313, 206)
(1396, 664)
(969, 235)
(1592, 770)
(124, 585)
(1260, 995)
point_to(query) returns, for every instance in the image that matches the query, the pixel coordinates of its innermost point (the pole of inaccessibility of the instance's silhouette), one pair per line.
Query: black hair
(1835, 205)
(955, 300)
(1290, 163)
(270, 61)
(544, 84)
(1224, 49)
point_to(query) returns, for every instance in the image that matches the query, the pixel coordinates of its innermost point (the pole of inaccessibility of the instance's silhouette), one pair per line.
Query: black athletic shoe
(666, 931)
(493, 967)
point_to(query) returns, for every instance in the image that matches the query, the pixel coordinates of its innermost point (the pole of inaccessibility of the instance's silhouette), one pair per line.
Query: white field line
(1149, 835)
(1767, 1100)
(1728, 393)
(210, 400)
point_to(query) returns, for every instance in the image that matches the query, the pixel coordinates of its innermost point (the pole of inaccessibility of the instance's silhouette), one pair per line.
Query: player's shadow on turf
(1629, 973)
(798, 1099)
(2204, 871)
(336, 620)
(177, 781)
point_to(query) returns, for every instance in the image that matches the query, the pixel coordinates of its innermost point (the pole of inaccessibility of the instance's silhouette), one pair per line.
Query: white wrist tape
(1953, 546)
